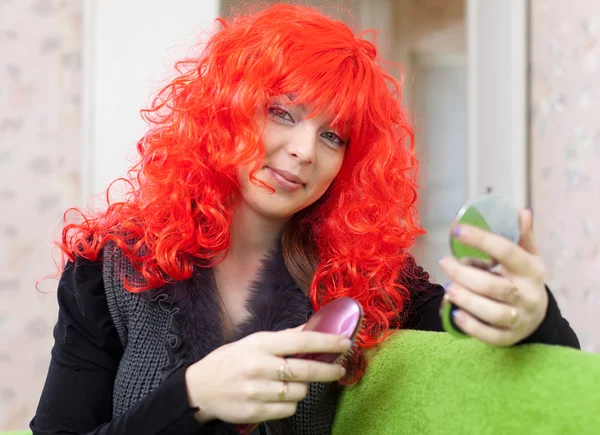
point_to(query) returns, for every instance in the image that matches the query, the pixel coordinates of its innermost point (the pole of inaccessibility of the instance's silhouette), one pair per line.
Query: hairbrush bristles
(347, 355)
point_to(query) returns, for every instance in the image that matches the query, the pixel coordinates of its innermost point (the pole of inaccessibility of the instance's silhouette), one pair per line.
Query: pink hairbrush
(343, 317)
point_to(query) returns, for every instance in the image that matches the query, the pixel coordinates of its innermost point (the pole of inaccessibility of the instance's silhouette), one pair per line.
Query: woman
(278, 174)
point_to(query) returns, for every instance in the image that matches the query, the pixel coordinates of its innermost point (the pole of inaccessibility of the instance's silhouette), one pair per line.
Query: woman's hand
(498, 308)
(249, 381)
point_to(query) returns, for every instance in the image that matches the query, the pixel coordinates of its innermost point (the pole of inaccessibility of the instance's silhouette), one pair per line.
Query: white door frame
(497, 85)
(130, 48)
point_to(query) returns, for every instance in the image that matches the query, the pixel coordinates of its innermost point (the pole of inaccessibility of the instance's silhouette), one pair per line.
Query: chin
(275, 213)
(271, 207)
(276, 206)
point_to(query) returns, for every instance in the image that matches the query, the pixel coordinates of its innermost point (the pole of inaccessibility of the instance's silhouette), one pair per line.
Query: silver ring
(282, 391)
(511, 294)
(284, 373)
(514, 317)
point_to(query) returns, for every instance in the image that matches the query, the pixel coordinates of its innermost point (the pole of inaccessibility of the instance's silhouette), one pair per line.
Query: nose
(302, 146)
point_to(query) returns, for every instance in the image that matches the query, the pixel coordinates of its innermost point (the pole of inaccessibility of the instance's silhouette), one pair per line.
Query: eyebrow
(292, 97)
(303, 107)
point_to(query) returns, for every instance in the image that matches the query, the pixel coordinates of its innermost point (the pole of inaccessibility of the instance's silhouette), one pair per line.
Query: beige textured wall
(40, 117)
(565, 164)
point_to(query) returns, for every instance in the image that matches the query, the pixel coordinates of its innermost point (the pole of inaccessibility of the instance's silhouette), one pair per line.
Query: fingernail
(441, 261)
(342, 371)
(447, 285)
(346, 343)
(457, 230)
(456, 314)
(451, 291)
(530, 211)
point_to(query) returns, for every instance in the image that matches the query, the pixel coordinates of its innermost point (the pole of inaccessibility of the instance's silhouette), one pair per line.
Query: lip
(285, 180)
(288, 175)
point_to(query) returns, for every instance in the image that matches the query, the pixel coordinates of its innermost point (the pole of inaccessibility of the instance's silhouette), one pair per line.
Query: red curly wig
(177, 212)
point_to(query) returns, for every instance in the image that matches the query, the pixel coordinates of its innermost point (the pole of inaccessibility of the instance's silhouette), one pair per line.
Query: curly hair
(177, 211)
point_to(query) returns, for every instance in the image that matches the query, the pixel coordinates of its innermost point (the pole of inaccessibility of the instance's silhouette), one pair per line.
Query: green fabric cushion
(432, 383)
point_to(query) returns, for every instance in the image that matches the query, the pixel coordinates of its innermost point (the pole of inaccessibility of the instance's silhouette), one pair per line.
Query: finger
(292, 342)
(527, 241)
(275, 391)
(294, 369)
(488, 334)
(478, 263)
(479, 281)
(489, 311)
(309, 371)
(298, 328)
(514, 258)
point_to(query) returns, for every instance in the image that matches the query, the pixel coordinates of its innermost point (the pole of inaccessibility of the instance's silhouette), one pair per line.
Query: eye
(333, 138)
(281, 114)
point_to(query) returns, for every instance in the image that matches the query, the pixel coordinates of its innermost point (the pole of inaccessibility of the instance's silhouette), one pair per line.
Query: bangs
(333, 84)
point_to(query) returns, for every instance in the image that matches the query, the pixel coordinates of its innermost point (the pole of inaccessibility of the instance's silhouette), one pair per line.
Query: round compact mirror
(492, 213)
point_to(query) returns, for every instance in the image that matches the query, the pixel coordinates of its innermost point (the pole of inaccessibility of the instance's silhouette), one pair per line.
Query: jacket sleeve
(77, 395)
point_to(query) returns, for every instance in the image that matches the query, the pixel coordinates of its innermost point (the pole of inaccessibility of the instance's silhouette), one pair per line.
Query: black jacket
(77, 396)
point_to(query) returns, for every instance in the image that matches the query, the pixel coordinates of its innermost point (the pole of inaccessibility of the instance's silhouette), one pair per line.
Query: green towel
(432, 383)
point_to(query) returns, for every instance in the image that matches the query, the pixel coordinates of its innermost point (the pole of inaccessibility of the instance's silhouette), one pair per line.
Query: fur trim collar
(275, 302)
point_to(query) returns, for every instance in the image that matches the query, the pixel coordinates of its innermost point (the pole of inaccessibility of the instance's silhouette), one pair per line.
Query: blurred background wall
(565, 155)
(40, 148)
(74, 74)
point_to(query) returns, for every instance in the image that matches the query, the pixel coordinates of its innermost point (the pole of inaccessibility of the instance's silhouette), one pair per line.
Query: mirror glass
(491, 213)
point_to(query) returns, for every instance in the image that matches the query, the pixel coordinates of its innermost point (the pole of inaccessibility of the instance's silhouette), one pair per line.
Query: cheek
(267, 133)
(331, 170)
(337, 163)
(243, 173)
(269, 137)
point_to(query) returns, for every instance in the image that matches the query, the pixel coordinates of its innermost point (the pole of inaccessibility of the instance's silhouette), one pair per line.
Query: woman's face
(302, 158)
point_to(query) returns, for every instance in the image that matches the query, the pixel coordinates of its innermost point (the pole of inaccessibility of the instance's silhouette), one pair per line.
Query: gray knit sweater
(165, 330)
